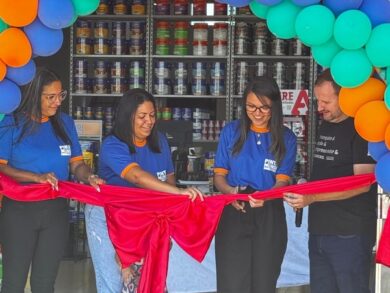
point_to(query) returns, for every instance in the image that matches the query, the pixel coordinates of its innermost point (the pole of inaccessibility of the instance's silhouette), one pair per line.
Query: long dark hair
(29, 112)
(264, 87)
(123, 127)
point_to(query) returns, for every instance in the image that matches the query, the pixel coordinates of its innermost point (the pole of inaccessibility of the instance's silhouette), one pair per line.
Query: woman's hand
(255, 203)
(95, 181)
(192, 193)
(47, 178)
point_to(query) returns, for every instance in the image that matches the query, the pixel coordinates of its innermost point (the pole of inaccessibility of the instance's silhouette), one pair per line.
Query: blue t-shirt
(115, 160)
(41, 151)
(254, 165)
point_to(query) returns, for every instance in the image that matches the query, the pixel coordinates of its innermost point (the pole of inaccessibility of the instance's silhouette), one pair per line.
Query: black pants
(250, 247)
(33, 233)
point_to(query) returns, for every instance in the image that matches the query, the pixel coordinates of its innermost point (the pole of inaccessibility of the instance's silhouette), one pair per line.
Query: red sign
(295, 102)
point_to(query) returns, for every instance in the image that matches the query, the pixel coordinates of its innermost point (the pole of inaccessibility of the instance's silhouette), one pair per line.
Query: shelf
(127, 17)
(190, 96)
(95, 95)
(95, 56)
(192, 18)
(246, 17)
(271, 57)
(189, 57)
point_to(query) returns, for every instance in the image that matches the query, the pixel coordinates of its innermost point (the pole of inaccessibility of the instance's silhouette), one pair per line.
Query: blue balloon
(377, 10)
(56, 14)
(269, 2)
(21, 75)
(44, 41)
(339, 6)
(10, 96)
(305, 2)
(382, 172)
(238, 3)
(377, 149)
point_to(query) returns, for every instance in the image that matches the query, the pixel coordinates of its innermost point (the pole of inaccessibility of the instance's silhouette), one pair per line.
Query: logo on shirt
(270, 165)
(65, 150)
(162, 176)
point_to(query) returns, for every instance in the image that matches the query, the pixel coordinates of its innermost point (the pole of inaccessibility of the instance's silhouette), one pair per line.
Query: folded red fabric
(140, 222)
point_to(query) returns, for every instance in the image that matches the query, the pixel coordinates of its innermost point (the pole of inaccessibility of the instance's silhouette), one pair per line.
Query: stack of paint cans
(137, 74)
(260, 42)
(199, 84)
(119, 83)
(136, 38)
(217, 79)
(242, 74)
(181, 78)
(242, 37)
(118, 38)
(162, 82)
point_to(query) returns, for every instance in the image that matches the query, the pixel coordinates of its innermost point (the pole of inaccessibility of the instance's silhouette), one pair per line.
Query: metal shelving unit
(223, 103)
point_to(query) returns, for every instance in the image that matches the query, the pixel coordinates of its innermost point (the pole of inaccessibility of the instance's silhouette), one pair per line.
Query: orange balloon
(18, 12)
(3, 70)
(387, 137)
(371, 121)
(15, 48)
(351, 99)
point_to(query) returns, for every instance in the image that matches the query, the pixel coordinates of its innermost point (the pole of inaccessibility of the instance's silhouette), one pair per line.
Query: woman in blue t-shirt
(254, 153)
(38, 145)
(135, 154)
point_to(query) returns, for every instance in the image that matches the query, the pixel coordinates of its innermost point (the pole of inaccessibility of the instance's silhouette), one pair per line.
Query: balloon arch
(350, 36)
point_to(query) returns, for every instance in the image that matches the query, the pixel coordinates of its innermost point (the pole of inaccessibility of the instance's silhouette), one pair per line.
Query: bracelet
(92, 176)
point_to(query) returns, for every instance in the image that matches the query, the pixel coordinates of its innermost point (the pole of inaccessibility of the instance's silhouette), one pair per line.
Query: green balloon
(258, 9)
(324, 54)
(85, 7)
(314, 25)
(351, 68)
(3, 25)
(281, 19)
(378, 46)
(352, 29)
(1, 117)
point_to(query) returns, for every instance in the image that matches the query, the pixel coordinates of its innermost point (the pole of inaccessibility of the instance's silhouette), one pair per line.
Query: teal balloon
(387, 97)
(85, 7)
(1, 117)
(3, 25)
(388, 75)
(352, 29)
(258, 9)
(324, 54)
(351, 68)
(314, 25)
(378, 46)
(281, 19)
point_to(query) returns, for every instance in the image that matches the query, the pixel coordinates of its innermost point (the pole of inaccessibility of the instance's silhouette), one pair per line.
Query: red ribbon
(141, 221)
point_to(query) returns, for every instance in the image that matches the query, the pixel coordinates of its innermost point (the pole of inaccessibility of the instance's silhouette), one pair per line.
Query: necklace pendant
(258, 142)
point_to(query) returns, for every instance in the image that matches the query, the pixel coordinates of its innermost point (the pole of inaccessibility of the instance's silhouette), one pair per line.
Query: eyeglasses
(51, 98)
(265, 109)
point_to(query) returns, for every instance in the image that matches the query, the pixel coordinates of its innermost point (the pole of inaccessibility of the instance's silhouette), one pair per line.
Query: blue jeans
(339, 263)
(107, 272)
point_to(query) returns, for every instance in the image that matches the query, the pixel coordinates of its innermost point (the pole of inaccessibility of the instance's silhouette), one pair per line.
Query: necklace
(258, 139)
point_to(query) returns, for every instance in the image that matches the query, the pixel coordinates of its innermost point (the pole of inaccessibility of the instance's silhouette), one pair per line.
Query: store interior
(196, 58)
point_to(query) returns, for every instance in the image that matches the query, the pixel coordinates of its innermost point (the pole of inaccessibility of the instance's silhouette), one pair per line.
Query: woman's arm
(84, 174)
(27, 176)
(137, 176)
